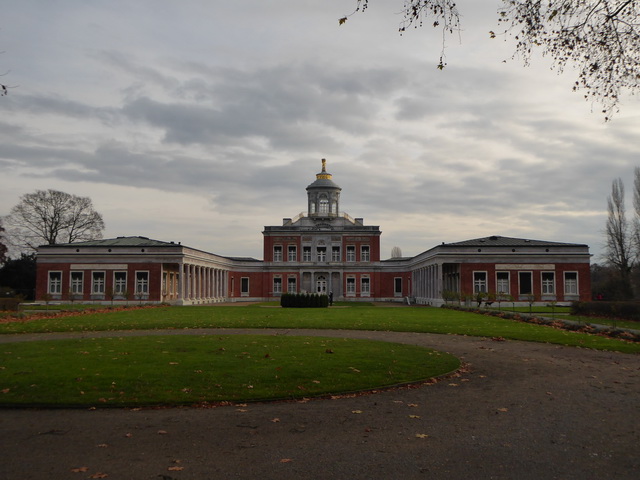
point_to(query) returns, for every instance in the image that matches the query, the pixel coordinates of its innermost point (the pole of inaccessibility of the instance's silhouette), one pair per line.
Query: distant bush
(621, 310)
(304, 300)
(11, 304)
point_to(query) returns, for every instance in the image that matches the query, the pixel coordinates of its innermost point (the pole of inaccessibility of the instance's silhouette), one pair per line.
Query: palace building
(320, 250)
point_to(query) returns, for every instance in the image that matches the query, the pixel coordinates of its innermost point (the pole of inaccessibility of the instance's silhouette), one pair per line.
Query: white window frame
(524, 272)
(277, 284)
(397, 281)
(118, 283)
(292, 253)
(479, 281)
(548, 286)
(365, 253)
(351, 253)
(142, 283)
(244, 289)
(98, 287)
(77, 285)
(323, 206)
(292, 285)
(500, 283)
(277, 253)
(54, 285)
(321, 254)
(335, 253)
(365, 286)
(351, 286)
(306, 254)
(571, 284)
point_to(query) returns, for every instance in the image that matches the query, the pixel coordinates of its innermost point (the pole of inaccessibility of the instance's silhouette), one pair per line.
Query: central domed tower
(323, 195)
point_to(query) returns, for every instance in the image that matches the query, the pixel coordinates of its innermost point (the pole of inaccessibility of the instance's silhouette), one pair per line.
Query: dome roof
(323, 179)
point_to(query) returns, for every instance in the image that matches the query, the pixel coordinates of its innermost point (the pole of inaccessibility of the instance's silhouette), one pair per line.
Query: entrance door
(321, 285)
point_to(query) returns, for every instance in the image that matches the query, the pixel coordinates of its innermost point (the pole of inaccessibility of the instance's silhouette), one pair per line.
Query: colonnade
(201, 284)
(427, 284)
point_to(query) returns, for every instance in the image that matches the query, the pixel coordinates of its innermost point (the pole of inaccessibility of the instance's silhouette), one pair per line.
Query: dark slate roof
(118, 242)
(324, 183)
(496, 240)
(243, 259)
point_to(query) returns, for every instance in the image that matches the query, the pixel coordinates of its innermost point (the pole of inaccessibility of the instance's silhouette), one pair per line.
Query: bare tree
(396, 252)
(619, 245)
(51, 217)
(636, 217)
(3, 246)
(601, 38)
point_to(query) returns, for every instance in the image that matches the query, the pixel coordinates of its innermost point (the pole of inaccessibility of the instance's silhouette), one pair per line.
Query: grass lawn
(360, 317)
(176, 370)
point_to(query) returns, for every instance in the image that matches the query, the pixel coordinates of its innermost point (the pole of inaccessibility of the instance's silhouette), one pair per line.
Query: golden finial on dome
(324, 173)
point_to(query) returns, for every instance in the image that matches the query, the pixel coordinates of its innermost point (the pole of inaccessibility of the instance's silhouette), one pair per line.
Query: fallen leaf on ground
(175, 469)
(162, 432)
(99, 475)
(286, 460)
(275, 420)
(503, 409)
(421, 435)
(80, 469)
(356, 411)
(412, 404)
(414, 416)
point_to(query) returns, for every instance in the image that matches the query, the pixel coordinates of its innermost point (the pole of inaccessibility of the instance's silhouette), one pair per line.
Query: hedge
(620, 310)
(304, 300)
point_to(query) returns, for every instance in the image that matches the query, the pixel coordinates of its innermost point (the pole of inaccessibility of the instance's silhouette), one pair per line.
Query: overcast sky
(202, 121)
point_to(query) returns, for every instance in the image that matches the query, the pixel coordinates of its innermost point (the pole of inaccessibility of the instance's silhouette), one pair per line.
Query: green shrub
(303, 300)
(10, 304)
(622, 310)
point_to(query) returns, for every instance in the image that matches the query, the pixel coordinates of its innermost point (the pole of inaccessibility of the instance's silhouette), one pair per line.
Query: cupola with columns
(323, 195)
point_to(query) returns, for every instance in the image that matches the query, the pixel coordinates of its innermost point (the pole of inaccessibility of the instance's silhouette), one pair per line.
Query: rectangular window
(277, 285)
(502, 283)
(548, 283)
(277, 253)
(77, 279)
(97, 283)
(335, 254)
(351, 286)
(364, 286)
(55, 283)
(119, 283)
(142, 283)
(244, 286)
(479, 282)
(165, 277)
(293, 253)
(397, 286)
(306, 254)
(364, 253)
(322, 254)
(571, 283)
(291, 285)
(351, 253)
(526, 285)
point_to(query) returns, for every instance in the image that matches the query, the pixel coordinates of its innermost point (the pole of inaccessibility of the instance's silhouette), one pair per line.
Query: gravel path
(521, 411)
